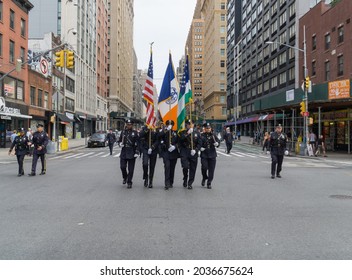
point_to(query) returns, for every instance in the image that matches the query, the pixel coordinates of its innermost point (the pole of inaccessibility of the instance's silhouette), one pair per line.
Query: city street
(81, 210)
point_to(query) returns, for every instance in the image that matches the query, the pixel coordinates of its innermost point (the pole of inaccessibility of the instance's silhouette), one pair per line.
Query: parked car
(97, 140)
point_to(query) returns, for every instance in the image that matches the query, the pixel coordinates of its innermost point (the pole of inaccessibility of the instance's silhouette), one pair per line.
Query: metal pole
(57, 121)
(319, 122)
(306, 88)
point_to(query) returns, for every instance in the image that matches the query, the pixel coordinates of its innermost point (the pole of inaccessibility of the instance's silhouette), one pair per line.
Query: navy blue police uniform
(277, 145)
(189, 144)
(169, 152)
(228, 137)
(40, 140)
(129, 142)
(20, 144)
(111, 139)
(208, 155)
(149, 144)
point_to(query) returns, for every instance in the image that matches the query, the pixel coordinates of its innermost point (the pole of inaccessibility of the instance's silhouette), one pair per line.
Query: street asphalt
(81, 210)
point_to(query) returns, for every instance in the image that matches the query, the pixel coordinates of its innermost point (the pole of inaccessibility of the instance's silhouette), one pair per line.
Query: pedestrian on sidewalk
(208, 154)
(111, 139)
(129, 142)
(239, 135)
(277, 146)
(13, 135)
(169, 141)
(312, 141)
(40, 140)
(149, 146)
(190, 144)
(20, 143)
(321, 146)
(228, 137)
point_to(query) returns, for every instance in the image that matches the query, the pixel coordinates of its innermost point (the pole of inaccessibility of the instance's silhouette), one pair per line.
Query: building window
(32, 96)
(314, 42)
(222, 41)
(314, 68)
(40, 98)
(222, 87)
(222, 51)
(222, 29)
(23, 52)
(12, 19)
(340, 65)
(223, 6)
(0, 10)
(222, 63)
(0, 44)
(222, 99)
(12, 51)
(327, 71)
(70, 104)
(222, 17)
(340, 34)
(224, 111)
(23, 27)
(46, 99)
(70, 84)
(327, 41)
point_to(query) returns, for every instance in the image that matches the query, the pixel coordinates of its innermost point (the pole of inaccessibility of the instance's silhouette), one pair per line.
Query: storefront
(12, 117)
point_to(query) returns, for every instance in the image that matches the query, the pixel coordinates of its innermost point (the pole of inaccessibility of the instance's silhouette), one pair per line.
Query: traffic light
(70, 59)
(310, 121)
(303, 107)
(307, 83)
(60, 58)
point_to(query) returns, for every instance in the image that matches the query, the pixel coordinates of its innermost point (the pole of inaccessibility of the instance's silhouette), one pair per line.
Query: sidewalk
(73, 144)
(340, 155)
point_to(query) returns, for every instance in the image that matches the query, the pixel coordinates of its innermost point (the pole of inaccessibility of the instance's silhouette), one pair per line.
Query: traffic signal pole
(305, 133)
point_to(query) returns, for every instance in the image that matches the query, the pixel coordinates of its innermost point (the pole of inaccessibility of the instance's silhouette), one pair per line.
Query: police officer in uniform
(40, 140)
(228, 137)
(149, 143)
(277, 145)
(190, 144)
(111, 139)
(129, 142)
(169, 151)
(20, 143)
(208, 154)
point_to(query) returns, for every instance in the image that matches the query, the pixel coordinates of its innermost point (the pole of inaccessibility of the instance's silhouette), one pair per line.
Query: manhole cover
(339, 196)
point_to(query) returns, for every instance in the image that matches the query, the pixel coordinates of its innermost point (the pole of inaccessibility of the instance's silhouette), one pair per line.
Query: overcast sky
(166, 23)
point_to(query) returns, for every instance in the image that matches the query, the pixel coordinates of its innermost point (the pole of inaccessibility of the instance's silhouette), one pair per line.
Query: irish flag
(168, 98)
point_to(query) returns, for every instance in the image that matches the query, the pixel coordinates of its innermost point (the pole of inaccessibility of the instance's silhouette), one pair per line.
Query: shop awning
(16, 115)
(64, 118)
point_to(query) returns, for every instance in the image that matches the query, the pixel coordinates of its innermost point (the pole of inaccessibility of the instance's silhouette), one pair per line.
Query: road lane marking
(97, 154)
(248, 155)
(237, 155)
(117, 155)
(73, 156)
(224, 154)
(85, 155)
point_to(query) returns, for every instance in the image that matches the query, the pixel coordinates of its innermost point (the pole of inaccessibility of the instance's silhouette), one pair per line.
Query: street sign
(306, 114)
(44, 66)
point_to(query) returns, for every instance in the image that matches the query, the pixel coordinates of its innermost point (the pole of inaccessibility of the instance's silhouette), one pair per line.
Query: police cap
(129, 121)
(207, 125)
(168, 122)
(187, 121)
(20, 129)
(40, 125)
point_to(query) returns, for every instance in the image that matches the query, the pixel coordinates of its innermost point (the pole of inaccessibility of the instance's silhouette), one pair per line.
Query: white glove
(161, 142)
(172, 148)
(150, 151)
(202, 149)
(190, 130)
(193, 152)
(286, 152)
(121, 145)
(136, 155)
(169, 127)
(216, 144)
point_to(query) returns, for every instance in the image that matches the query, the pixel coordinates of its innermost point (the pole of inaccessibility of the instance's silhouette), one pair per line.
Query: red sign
(306, 114)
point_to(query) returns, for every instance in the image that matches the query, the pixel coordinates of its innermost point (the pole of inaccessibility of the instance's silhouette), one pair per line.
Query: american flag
(148, 95)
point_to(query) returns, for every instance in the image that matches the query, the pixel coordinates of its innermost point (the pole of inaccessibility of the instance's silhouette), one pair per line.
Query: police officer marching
(149, 144)
(40, 140)
(111, 139)
(277, 145)
(190, 144)
(129, 142)
(208, 154)
(168, 141)
(20, 143)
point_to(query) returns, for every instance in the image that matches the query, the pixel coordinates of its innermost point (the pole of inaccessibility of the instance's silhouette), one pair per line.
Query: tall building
(180, 67)
(137, 89)
(195, 49)
(328, 31)
(14, 95)
(214, 13)
(44, 18)
(267, 71)
(103, 49)
(121, 61)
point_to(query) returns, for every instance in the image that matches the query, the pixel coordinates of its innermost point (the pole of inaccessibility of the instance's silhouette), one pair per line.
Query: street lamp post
(305, 117)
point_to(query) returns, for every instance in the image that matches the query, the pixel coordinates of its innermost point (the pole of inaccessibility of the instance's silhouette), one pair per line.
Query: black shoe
(145, 183)
(129, 186)
(42, 173)
(171, 186)
(203, 182)
(19, 175)
(184, 184)
(209, 186)
(189, 187)
(272, 177)
(31, 174)
(124, 181)
(150, 186)
(166, 187)
(278, 175)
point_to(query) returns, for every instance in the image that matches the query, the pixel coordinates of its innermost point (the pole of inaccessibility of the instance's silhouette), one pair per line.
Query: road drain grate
(339, 196)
